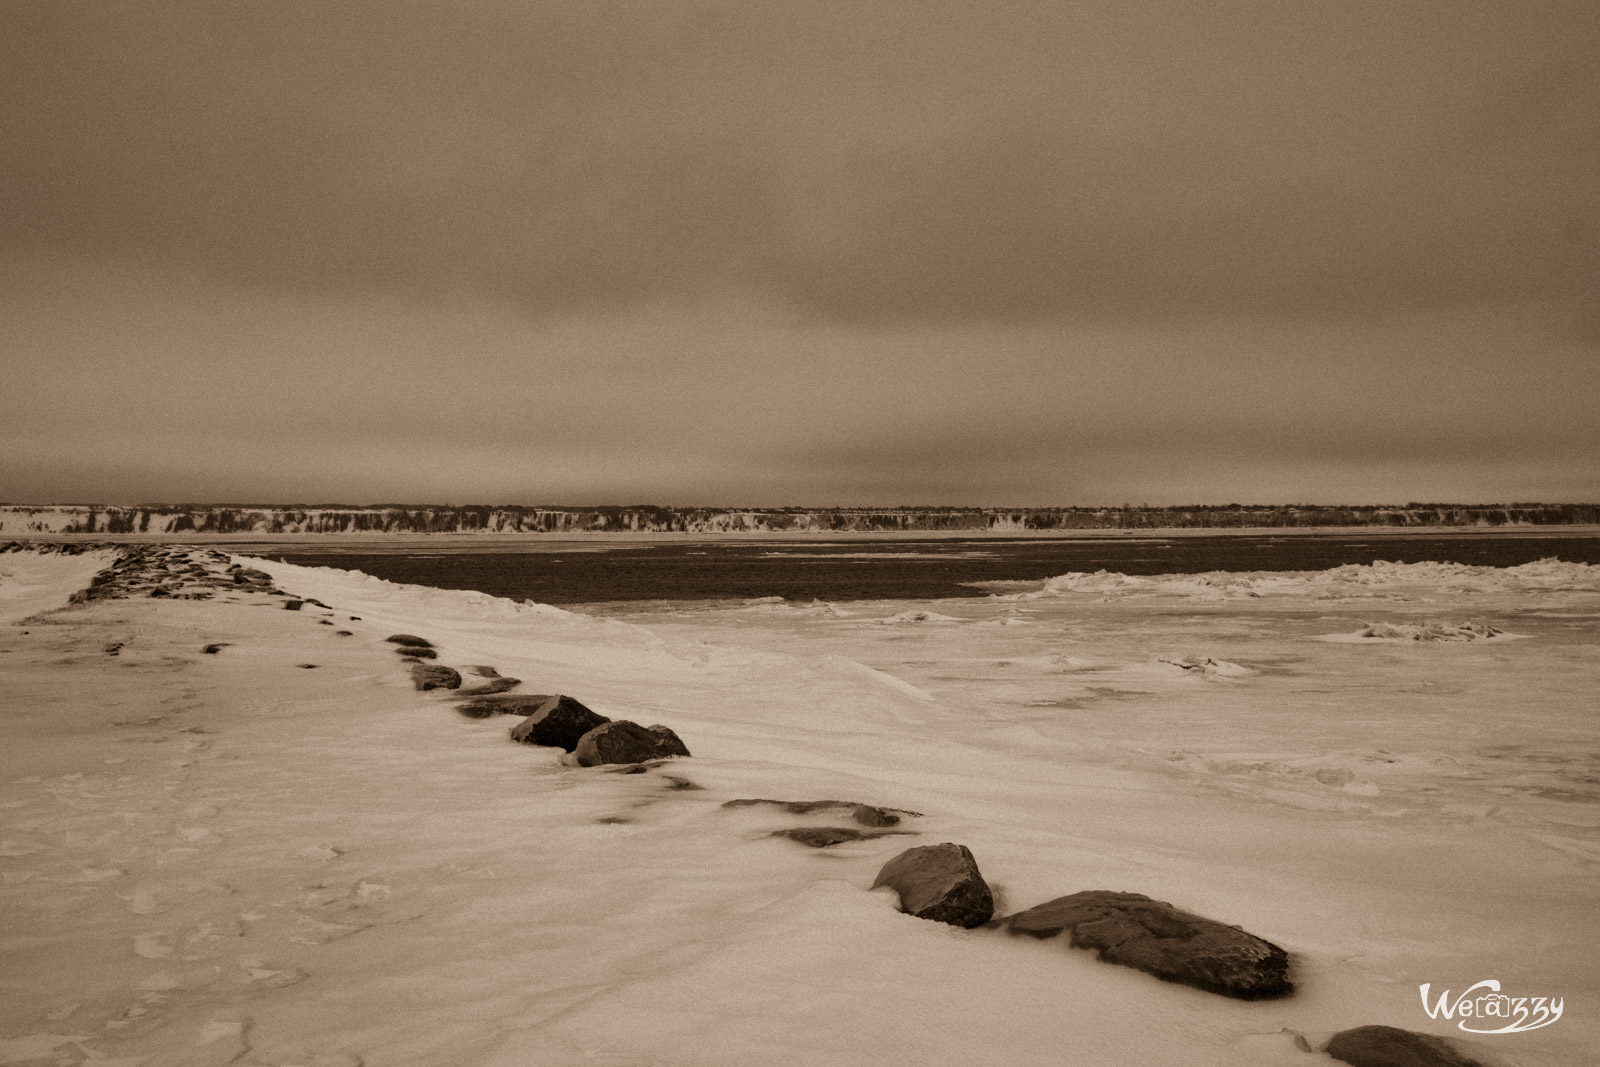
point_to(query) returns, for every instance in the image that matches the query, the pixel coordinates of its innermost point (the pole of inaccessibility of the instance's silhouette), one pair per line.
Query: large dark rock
(1389, 1046)
(414, 652)
(432, 676)
(1159, 939)
(627, 742)
(940, 883)
(559, 721)
(411, 640)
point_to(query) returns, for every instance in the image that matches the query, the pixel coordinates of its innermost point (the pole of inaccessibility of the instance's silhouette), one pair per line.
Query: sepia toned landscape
(704, 533)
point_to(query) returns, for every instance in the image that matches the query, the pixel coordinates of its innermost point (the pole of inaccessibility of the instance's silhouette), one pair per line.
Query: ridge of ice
(1350, 580)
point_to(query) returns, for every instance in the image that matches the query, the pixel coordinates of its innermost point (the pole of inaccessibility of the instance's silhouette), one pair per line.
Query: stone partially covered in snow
(627, 742)
(1159, 939)
(409, 640)
(1389, 1046)
(431, 676)
(559, 721)
(491, 686)
(826, 836)
(517, 704)
(865, 814)
(940, 883)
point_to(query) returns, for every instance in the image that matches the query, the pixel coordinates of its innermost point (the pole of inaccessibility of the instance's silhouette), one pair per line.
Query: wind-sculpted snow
(40, 581)
(916, 618)
(1209, 667)
(1424, 631)
(1381, 579)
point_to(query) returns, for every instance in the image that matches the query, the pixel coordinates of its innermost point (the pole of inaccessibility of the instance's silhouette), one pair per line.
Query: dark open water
(861, 570)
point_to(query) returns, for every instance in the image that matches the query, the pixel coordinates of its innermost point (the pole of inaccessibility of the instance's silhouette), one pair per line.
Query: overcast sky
(762, 252)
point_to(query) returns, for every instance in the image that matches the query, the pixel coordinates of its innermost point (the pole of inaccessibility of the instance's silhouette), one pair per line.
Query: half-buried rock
(558, 721)
(865, 814)
(627, 742)
(941, 883)
(432, 676)
(517, 704)
(1389, 1046)
(1159, 939)
(490, 686)
(828, 836)
(411, 640)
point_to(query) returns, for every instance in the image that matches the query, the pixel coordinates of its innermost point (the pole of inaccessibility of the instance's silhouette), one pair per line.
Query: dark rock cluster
(175, 572)
(56, 548)
(172, 571)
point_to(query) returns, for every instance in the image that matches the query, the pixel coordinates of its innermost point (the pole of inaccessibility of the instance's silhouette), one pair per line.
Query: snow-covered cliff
(212, 519)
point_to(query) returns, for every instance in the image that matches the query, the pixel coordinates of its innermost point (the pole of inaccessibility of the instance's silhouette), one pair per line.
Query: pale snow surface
(31, 582)
(230, 858)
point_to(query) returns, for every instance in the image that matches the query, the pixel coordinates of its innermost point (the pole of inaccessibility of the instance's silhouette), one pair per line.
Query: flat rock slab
(411, 640)
(427, 676)
(485, 706)
(559, 721)
(865, 814)
(1389, 1046)
(826, 836)
(415, 652)
(627, 742)
(1135, 931)
(491, 686)
(940, 883)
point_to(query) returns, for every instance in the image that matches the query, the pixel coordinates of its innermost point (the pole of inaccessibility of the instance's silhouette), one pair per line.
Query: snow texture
(223, 858)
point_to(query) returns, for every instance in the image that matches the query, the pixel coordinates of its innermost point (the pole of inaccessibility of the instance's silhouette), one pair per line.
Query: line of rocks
(942, 882)
(174, 572)
(57, 548)
(551, 720)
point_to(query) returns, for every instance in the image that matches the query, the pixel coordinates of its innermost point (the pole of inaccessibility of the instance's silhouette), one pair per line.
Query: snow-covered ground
(233, 858)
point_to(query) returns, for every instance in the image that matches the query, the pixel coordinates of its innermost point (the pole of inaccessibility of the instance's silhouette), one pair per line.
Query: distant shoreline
(600, 540)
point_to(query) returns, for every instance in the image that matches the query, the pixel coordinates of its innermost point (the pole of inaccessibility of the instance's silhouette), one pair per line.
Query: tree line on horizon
(217, 519)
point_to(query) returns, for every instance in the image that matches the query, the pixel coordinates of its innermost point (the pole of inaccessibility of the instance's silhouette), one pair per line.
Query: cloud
(124, 389)
(901, 163)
